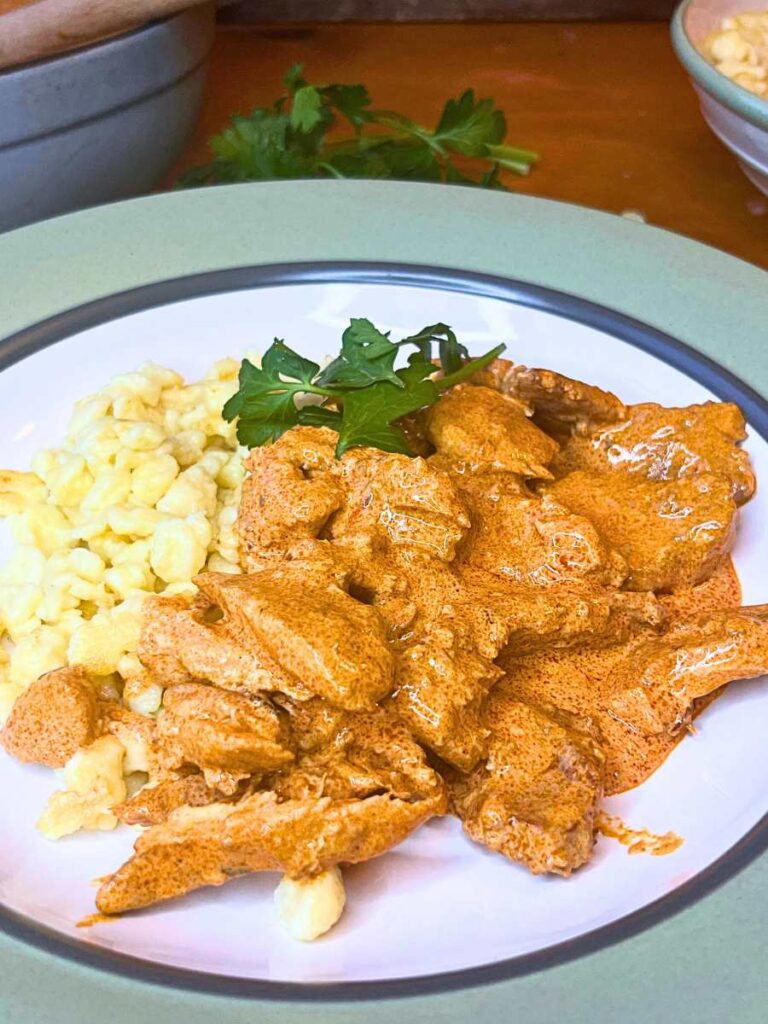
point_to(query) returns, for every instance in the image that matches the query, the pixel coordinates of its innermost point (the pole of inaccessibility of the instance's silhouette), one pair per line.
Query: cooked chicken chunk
(209, 845)
(289, 494)
(527, 539)
(441, 686)
(574, 682)
(565, 615)
(482, 427)
(182, 641)
(153, 804)
(643, 693)
(336, 646)
(560, 405)
(672, 533)
(396, 501)
(488, 613)
(653, 691)
(315, 723)
(218, 730)
(536, 796)
(53, 718)
(355, 754)
(667, 444)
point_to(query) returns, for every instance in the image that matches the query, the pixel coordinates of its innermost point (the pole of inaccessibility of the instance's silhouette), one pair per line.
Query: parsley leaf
(279, 359)
(369, 413)
(265, 402)
(359, 394)
(451, 353)
(291, 139)
(350, 101)
(469, 126)
(306, 109)
(367, 355)
(293, 80)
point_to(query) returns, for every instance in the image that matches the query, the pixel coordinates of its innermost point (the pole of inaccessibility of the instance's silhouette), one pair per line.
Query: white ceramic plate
(438, 903)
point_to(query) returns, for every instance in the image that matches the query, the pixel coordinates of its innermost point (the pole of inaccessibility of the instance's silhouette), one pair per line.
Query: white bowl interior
(438, 902)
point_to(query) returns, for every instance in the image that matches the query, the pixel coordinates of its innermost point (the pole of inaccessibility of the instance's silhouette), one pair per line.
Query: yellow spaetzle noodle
(739, 49)
(140, 497)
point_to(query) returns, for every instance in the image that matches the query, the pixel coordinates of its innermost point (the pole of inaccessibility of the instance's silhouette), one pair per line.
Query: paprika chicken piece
(565, 615)
(721, 590)
(657, 443)
(489, 613)
(654, 690)
(209, 845)
(671, 533)
(530, 539)
(536, 796)
(217, 730)
(482, 427)
(355, 754)
(441, 687)
(642, 694)
(153, 804)
(336, 646)
(560, 405)
(289, 494)
(393, 501)
(183, 641)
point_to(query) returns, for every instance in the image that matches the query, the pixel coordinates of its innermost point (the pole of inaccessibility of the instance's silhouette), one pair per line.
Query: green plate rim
(712, 302)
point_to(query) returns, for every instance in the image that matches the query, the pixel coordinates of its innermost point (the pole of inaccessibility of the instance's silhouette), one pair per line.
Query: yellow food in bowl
(739, 50)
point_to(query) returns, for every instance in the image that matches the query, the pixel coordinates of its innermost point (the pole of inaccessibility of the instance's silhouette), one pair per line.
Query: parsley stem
(468, 369)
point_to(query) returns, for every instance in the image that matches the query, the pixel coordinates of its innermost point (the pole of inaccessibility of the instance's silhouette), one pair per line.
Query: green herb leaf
(279, 359)
(360, 394)
(319, 416)
(350, 101)
(265, 403)
(367, 355)
(293, 79)
(468, 125)
(290, 139)
(263, 422)
(306, 109)
(368, 414)
(451, 353)
(469, 369)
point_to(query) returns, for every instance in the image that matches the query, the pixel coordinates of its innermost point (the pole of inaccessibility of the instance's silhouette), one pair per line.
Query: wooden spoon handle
(38, 28)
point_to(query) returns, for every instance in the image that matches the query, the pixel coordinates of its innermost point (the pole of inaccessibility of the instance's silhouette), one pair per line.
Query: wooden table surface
(605, 104)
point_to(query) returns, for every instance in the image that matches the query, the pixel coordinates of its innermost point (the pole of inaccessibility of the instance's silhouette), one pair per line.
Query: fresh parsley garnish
(290, 140)
(359, 394)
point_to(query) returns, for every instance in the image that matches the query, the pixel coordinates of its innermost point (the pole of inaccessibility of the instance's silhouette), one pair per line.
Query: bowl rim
(115, 41)
(731, 95)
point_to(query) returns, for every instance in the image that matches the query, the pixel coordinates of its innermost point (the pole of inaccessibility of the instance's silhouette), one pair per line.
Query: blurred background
(103, 99)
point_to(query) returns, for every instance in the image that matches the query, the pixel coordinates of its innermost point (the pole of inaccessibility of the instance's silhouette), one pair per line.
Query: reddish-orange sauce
(638, 840)
(92, 919)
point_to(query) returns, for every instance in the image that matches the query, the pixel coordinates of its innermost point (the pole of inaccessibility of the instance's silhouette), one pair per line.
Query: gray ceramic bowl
(738, 117)
(102, 122)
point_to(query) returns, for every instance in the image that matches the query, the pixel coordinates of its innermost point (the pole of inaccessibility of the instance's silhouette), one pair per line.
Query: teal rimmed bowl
(738, 117)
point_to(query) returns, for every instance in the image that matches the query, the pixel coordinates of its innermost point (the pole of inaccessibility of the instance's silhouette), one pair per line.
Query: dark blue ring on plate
(695, 365)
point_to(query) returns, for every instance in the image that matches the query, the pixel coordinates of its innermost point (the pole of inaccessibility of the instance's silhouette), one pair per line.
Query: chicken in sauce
(523, 617)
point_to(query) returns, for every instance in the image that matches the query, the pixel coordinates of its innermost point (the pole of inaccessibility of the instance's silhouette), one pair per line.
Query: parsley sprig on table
(359, 394)
(290, 140)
